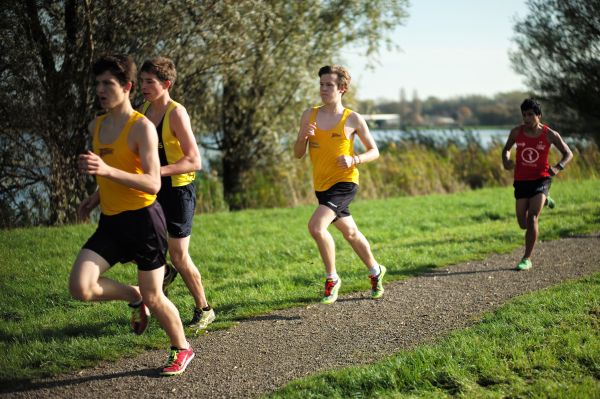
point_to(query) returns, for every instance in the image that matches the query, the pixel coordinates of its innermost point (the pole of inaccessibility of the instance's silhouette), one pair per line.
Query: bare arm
(306, 131)
(357, 123)
(559, 143)
(143, 141)
(182, 129)
(508, 163)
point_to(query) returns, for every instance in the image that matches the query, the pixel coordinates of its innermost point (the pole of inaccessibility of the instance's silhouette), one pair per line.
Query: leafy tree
(244, 72)
(253, 105)
(559, 54)
(46, 55)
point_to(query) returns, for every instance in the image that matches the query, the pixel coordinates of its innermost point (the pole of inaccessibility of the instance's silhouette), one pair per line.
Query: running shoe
(140, 318)
(550, 202)
(178, 360)
(170, 274)
(377, 283)
(331, 291)
(201, 319)
(524, 264)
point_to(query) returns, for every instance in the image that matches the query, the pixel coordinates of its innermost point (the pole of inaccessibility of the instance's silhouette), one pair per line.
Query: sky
(448, 48)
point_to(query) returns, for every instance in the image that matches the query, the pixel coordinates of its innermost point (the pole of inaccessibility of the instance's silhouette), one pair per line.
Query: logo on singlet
(530, 155)
(334, 135)
(105, 151)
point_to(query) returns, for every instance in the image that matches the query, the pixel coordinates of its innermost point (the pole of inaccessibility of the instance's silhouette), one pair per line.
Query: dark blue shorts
(179, 205)
(531, 188)
(139, 236)
(338, 198)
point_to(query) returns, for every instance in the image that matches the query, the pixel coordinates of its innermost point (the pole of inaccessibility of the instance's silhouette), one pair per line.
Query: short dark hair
(121, 66)
(532, 104)
(162, 67)
(343, 80)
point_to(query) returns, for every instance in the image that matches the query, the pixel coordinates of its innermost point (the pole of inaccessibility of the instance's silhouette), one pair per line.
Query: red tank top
(532, 155)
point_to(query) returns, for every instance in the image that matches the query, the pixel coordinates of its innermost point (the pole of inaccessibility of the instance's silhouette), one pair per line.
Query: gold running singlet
(324, 148)
(115, 197)
(169, 148)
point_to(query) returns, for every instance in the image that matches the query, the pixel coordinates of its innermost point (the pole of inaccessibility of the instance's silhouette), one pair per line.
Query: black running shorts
(338, 198)
(179, 204)
(531, 188)
(139, 236)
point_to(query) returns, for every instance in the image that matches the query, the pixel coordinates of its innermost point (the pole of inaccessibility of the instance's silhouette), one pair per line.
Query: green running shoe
(550, 202)
(201, 319)
(170, 274)
(331, 291)
(377, 283)
(524, 264)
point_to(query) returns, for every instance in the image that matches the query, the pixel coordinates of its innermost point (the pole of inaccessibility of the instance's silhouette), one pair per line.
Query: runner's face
(530, 119)
(330, 93)
(109, 90)
(152, 87)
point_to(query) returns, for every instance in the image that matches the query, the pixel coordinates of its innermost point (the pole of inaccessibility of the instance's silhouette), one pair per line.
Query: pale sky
(448, 48)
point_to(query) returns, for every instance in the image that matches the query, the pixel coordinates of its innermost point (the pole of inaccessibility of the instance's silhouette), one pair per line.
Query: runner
(132, 225)
(329, 132)
(533, 175)
(179, 160)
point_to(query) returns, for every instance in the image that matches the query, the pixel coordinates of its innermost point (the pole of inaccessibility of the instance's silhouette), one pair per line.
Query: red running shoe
(178, 360)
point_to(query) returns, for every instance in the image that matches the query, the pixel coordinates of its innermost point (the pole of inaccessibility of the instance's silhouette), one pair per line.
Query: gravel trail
(263, 353)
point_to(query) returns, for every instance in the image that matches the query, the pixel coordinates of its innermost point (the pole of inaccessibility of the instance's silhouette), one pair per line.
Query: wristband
(560, 166)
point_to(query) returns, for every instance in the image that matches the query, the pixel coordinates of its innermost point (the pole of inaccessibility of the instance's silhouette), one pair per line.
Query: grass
(541, 345)
(252, 262)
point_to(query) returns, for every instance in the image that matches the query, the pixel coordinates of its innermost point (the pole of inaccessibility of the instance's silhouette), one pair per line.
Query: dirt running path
(263, 353)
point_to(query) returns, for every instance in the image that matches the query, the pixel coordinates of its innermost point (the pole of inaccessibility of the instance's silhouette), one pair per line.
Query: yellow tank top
(169, 147)
(324, 148)
(115, 197)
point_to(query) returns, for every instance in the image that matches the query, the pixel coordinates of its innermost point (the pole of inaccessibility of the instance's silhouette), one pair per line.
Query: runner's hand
(85, 208)
(92, 164)
(509, 164)
(345, 161)
(308, 131)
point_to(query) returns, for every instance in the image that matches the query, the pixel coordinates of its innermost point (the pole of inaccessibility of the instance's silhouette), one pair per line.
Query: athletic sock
(333, 276)
(375, 270)
(207, 308)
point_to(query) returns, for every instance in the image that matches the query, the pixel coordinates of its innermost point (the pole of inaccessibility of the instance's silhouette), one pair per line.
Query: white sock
(332, 276)
(375, 270)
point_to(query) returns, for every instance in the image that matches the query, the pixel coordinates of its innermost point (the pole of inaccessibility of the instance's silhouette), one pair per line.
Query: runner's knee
(351, 234)
(80, 291)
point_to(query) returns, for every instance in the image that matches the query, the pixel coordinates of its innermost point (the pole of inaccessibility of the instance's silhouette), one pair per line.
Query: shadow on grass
(95, 330)
(25, 386)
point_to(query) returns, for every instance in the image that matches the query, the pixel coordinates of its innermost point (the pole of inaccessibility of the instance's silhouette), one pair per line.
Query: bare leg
(178, 249)
(356, 239)
(161, 307)
(536, 204)
(317, 226)
(87, 284)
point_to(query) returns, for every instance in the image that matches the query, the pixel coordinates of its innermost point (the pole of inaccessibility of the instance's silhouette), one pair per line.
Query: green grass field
(541, 345)
(252, 262)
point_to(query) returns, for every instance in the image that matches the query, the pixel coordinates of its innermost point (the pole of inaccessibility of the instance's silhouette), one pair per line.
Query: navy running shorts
(531, 188)
(139, 236)
(179, 205)
(338, 198)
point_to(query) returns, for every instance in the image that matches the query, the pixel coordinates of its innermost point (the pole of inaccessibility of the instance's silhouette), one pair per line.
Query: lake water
(440, 136)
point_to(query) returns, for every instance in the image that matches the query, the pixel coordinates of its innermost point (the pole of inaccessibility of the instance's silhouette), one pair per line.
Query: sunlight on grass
(253, 262)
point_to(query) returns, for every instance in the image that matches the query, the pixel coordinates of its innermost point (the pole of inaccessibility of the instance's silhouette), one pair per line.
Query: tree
(46, 55)
(559, 54)
(244, 68)
(254, 104)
